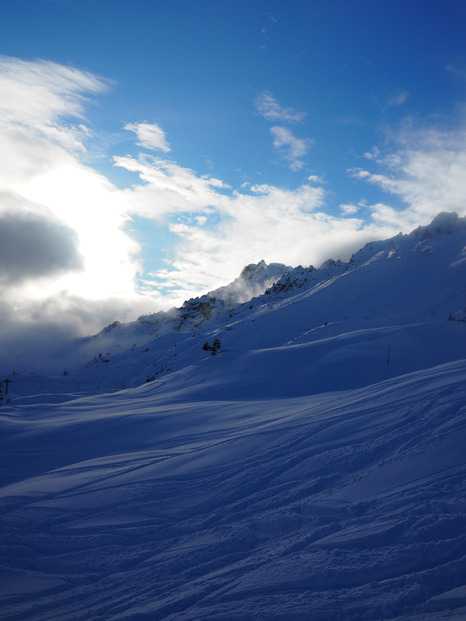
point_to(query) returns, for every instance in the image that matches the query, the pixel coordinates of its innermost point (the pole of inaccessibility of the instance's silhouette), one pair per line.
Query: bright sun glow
(91, 206)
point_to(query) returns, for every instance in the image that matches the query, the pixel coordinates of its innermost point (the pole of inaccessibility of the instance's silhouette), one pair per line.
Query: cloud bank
(65, 257)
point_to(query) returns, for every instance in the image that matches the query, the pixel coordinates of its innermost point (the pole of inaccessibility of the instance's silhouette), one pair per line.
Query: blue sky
(180, 140)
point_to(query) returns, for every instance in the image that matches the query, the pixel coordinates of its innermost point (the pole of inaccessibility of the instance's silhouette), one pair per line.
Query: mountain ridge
(409, 279)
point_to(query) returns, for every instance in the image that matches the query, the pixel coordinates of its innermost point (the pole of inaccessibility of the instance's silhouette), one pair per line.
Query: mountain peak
(444, 222)
(253, 280)
(253, 269)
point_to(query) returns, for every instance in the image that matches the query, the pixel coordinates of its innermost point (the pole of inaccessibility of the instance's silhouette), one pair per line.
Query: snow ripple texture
(346, 505)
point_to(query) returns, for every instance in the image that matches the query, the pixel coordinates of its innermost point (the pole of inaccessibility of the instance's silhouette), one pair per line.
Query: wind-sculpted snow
(141, 505)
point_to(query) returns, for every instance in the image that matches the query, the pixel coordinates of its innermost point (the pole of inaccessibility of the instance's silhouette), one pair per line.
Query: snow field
(350, 505)
(313, 468)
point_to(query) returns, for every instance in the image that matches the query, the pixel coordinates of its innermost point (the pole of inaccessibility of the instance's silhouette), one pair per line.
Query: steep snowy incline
(343, 362)
(140, 505)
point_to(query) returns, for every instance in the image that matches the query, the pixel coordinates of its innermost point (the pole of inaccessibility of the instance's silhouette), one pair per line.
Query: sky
(152, 149)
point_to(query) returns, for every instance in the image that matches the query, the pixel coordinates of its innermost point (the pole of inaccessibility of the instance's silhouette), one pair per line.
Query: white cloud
(208, 258)
(73, 217)
(271, 110)
(291, 148)
(39, 94)
(150, 136)
(397, 98)
(348, 208)
(168, 189)
(267, 222)
(425, 169)
(373, 154)
(391, 96)
(315, 179)
(457, 68)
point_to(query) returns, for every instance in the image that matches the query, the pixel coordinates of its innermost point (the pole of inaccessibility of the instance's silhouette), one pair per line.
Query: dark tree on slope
(216, 345)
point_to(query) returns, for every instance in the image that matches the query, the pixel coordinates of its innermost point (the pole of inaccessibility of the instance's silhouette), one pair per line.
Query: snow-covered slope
(392, 300)
(143, 505)
(297, 456)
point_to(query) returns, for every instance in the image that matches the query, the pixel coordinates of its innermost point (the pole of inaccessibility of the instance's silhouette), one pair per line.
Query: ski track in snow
(345, 505)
